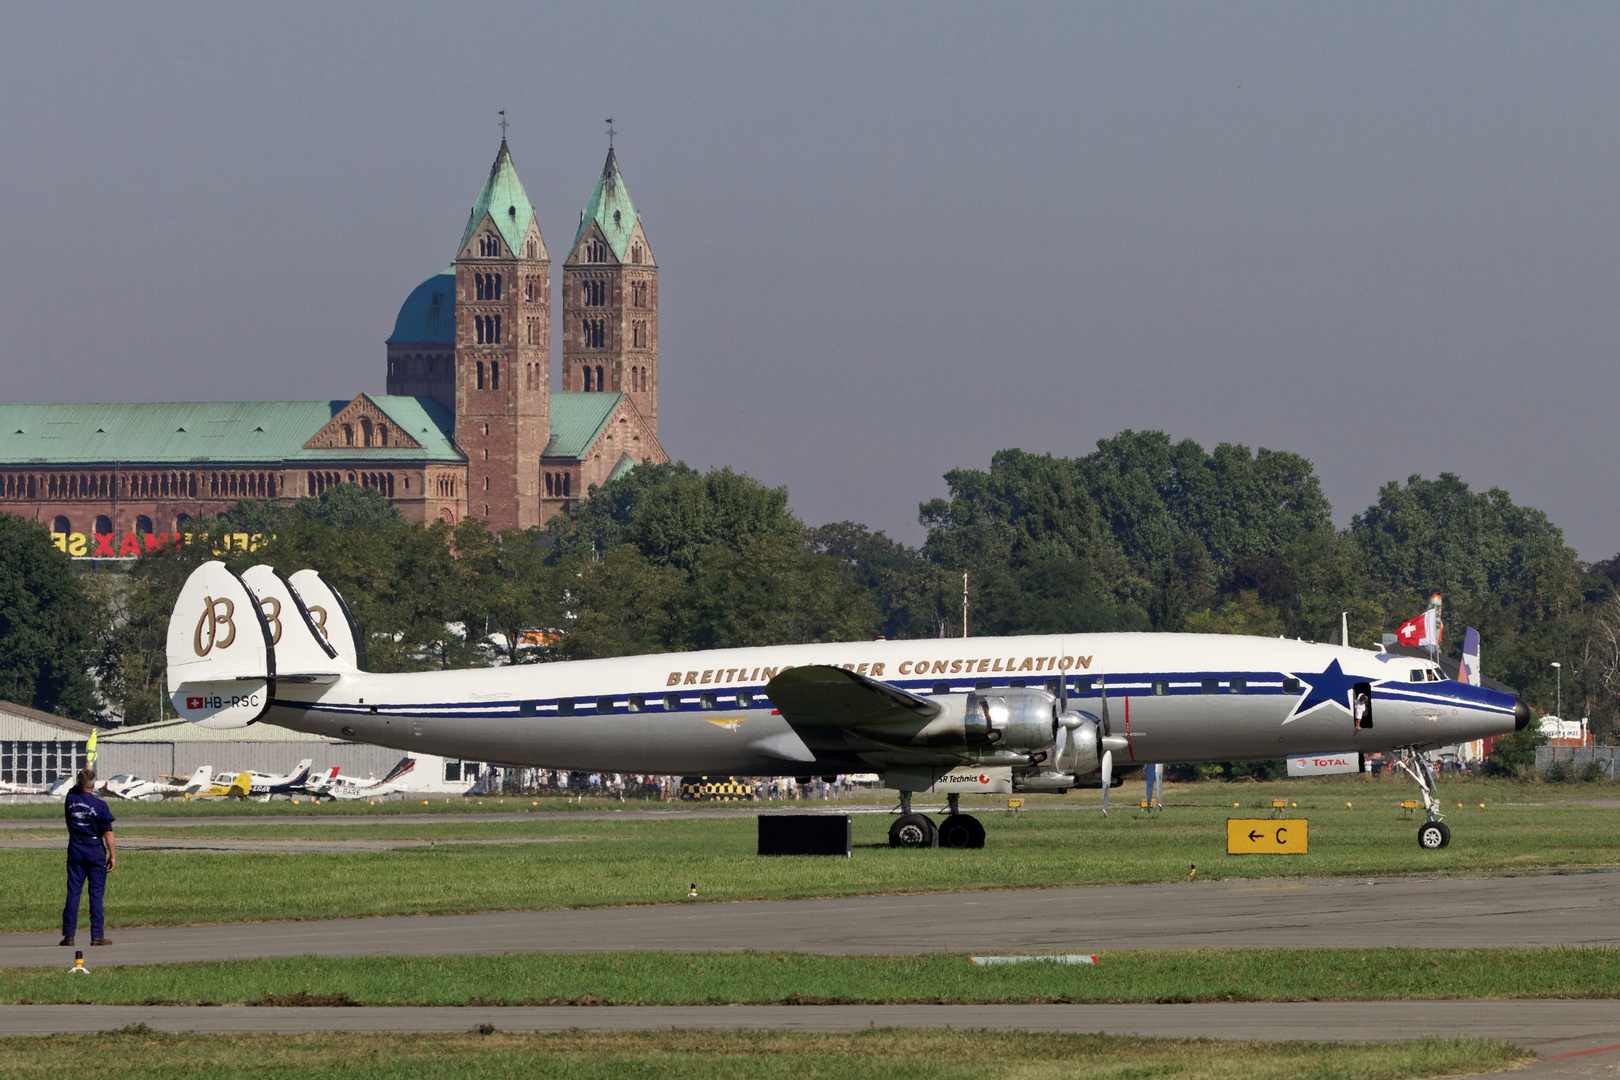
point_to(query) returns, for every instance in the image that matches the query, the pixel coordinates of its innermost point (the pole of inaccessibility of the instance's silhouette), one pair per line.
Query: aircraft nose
(1521, 715)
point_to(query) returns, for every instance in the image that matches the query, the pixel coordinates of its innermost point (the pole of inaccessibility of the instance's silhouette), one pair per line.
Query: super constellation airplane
(1036, 713)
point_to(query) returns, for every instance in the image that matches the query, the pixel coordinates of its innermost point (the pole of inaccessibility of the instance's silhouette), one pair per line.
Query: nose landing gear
(1434, 833)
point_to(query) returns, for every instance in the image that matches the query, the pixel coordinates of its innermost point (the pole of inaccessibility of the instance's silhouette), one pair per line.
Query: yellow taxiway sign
(1265, 836)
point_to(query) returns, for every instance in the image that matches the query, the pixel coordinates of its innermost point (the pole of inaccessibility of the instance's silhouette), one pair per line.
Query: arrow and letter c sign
(1266, 836)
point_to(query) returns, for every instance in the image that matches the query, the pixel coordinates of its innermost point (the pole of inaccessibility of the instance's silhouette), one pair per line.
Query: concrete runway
(1588, 1032)
(273, 847)
(1533, 910)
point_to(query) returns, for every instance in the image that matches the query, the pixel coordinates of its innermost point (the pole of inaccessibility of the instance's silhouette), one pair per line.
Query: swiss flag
(1421, 631)
(194, 702)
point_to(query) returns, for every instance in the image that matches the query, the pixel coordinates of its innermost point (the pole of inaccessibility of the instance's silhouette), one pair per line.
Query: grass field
(638, 861)
(1385, 789)
(677, 1055)
(796, 978)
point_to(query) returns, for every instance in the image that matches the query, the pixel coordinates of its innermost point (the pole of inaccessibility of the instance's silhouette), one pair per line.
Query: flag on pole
(1422, 632)
(1469, 671)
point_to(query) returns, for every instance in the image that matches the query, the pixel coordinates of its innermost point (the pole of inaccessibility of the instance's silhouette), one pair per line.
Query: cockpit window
(1417, 675)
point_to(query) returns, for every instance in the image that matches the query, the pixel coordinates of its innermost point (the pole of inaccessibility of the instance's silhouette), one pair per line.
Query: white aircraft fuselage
(1170, 698)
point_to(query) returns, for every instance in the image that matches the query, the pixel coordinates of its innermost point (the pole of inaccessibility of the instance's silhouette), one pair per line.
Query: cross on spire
(610, 132)
(503, 124)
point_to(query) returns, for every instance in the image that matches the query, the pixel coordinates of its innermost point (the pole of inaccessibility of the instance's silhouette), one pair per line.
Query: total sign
(1323, 764)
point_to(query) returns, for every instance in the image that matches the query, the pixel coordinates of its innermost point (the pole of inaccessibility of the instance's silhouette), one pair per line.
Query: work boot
(66, 941)
(100, 941)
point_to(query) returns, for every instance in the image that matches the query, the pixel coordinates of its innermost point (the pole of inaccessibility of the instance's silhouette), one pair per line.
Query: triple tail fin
(331, 617)
(406, 764)
(221, 661)
(302, 651)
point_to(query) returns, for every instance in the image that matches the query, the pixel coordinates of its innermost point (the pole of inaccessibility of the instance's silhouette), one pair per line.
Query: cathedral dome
(428, 315)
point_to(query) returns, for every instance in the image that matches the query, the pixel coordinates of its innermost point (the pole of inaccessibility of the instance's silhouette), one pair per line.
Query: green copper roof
(197, 432)
(504, 200)
(428, 315)
(610, 208)
(577, 421)
(623, 468)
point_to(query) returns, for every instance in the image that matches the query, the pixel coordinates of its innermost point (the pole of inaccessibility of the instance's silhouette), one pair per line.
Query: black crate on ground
(805, 834)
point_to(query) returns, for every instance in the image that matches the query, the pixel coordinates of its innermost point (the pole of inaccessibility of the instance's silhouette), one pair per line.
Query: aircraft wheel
(1434, 835)
(961, 831)
(913, 831)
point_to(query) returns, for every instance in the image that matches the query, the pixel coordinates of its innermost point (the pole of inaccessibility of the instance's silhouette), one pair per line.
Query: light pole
(1558, 670)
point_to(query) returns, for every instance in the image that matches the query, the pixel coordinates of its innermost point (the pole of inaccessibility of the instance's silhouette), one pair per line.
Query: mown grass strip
(796, 978)
(650, 861)
(679, 1055)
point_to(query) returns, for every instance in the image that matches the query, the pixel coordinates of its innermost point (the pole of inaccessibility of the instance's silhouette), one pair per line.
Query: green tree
(618, 605)
(46, 624)
(774, 591)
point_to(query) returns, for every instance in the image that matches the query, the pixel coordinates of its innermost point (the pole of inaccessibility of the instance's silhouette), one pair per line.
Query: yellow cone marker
(691, 894)
(78, 963)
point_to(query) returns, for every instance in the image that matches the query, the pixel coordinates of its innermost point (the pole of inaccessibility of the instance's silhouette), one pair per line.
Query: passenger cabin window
(1053, 686)
(527, 708)
(1082, 685)
(942, 688)
(705, 701)
(565, 706)
(672, 702)
(1290, 686)
(1210, 686)
(982, 684)
(1239, 686)
(636, 703)
(745, 700)
(604, 704)
(1160, 688)
(1016, 682)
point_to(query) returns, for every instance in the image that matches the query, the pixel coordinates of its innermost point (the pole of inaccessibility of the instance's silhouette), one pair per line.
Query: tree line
(1143, 534)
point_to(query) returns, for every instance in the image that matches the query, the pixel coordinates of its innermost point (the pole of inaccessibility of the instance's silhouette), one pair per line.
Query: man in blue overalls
(90, 855)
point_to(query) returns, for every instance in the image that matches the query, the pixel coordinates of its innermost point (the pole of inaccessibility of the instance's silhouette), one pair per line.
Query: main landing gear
(957, 830)
(1434, 833)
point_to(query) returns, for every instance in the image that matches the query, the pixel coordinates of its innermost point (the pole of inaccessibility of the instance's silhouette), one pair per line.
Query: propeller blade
(1104, 681)
(1107, 777)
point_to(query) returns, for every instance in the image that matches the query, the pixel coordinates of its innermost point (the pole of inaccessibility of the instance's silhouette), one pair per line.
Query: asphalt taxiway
(1562, 909)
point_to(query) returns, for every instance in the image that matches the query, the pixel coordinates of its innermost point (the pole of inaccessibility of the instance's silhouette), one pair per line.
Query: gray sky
(893, 239)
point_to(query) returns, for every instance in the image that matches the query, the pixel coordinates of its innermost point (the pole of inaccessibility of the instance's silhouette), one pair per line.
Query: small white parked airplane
(335, 786)
(1037, 713)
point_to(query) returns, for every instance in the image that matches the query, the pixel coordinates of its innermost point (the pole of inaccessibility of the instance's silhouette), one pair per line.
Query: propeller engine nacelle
(1016, 718)
(1080, 749)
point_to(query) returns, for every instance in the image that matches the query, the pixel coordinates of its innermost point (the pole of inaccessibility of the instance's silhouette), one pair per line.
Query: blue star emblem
(1331, 686)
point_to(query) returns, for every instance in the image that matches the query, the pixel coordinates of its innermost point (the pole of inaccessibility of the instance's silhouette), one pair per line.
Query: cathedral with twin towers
(469, 425)
(476, 338)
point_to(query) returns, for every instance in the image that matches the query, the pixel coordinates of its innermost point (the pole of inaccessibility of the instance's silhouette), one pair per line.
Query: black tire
(913, 831)
(1433, 835)
(961, 831)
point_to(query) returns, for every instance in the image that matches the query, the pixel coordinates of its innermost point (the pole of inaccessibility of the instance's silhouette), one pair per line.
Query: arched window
(587, 372)
(489, 246)
(565, 483)
(498, 289)
(480, 374)
(61, 525)
(365, 431)
(143, 525)
(635, 253)
(495, 374)
(497, 335)
(547, 477)
(596, 252)
(104, 524)
(478, 286)
(600, 385)
(180, 522)
(529, 250)
(348, 435)
(382, 434)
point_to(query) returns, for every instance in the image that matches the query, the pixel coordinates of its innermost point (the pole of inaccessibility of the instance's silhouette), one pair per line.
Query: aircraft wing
(835, 709)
